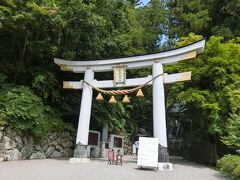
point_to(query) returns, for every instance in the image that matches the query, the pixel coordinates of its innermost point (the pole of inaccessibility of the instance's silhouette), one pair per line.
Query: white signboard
(148, 152)
(119, 74)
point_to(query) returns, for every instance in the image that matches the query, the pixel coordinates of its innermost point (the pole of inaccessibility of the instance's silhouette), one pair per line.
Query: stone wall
(15, 145)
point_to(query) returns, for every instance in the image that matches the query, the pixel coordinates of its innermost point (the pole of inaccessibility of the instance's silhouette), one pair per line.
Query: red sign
(111, 156)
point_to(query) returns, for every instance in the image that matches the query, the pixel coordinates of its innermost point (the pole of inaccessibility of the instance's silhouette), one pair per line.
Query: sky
(145, 1)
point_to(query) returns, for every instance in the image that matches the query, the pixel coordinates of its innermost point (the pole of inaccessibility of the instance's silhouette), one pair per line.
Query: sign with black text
(119, 74)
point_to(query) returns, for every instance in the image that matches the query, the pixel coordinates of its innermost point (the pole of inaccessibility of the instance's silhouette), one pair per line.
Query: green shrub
(236, 172)
(2, 119)
(230, 166)
(23, 110)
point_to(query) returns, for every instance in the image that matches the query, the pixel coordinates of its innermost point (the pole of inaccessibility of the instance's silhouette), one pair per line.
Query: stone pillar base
(165, 166)
(80, 151)
(163, 156)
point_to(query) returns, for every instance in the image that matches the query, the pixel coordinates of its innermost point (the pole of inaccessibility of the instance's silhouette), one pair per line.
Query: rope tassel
(126, 99)
(99, 97)
(140, 93)
(112, 100)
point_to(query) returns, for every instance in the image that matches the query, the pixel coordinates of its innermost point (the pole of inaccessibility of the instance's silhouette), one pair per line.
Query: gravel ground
(52, 169)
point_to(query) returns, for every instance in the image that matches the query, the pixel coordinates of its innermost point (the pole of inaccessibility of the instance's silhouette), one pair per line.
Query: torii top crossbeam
(134, 62)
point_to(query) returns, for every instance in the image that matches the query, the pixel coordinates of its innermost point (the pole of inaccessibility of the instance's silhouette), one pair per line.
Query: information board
(148, 152)
(117, 142)
(92, 138)
(119, 73)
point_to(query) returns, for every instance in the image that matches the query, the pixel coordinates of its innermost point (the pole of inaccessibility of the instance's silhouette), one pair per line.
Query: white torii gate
(156, 61)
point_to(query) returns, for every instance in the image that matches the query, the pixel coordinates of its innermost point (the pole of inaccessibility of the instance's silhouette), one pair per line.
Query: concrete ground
(98, 169)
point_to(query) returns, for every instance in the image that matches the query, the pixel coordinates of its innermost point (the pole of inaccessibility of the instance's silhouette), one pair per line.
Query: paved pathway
(50, 169)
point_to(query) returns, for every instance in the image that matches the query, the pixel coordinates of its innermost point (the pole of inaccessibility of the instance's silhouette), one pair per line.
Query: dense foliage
(211, 100)
(34, 32)
(230, 166)
(25, 111)
(205, 17)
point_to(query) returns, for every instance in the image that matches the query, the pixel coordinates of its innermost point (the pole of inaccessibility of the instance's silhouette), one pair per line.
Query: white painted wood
(108, 83)
(178, 77)
(159, 115)
(130, 65)
(134, 62)
(129, 83)
(85, 110)
(198, 46)
(168, 79)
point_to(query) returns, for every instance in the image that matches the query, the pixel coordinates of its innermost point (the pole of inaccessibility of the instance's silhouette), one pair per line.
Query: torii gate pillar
(159, 114)
(84, 117)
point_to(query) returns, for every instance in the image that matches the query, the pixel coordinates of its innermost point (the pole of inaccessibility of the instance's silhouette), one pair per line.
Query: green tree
(29, 33)
(214, 17)
(23, 110)
(211, 99)
(34, 32)
(153, 20)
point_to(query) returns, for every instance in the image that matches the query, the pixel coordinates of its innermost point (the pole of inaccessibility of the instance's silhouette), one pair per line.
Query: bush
(230, 166)
(236, 172)
(23, 110)
(2, 119)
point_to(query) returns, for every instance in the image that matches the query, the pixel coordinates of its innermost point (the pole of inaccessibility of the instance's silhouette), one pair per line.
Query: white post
(159, 114)
(85, 110)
